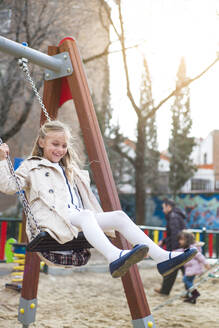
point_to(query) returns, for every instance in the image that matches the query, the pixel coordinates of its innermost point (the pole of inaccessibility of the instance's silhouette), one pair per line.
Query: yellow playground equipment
(19, 250)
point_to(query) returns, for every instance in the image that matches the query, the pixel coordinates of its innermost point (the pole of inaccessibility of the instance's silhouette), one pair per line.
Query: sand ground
(91, 298)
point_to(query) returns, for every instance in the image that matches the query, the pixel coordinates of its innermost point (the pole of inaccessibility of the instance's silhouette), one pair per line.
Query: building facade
(206, 158)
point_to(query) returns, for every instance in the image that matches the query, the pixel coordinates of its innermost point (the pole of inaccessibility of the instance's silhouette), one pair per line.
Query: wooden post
(3, 238)
(32, 262)
(51, 92)
(210, 245)
(23, 231)
(31, 276)
(101, 170)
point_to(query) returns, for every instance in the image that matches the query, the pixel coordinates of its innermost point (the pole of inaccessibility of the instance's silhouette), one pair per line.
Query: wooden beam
(101, 169)
(51, 97)
(31, 276)
(51, 92)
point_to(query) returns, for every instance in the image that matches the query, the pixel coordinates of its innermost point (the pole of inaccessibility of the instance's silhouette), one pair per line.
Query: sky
(166, 30)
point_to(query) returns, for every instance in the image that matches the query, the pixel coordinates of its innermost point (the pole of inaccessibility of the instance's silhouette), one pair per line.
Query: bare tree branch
(101, 54)
(108, 12)
(145, 111)
(27, 108)
(121, 38)
(186, 83)
(123, 154)
(106, 52)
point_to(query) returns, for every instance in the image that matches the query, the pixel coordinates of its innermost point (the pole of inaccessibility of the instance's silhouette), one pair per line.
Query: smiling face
(54, 146)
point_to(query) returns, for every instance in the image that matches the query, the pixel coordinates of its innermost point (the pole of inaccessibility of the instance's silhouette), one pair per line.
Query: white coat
(46, 191)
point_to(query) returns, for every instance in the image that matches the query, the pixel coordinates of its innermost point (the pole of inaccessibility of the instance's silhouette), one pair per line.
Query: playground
(88, 296)
(95, 300)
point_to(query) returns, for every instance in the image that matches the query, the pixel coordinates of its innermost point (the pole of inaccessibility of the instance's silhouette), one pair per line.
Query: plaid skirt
(76, 257)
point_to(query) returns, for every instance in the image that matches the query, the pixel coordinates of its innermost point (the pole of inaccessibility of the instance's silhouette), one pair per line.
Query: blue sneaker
(166, 267)
(120, 266)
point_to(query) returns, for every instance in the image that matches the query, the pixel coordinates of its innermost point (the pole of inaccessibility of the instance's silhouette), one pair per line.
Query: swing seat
(43, 242)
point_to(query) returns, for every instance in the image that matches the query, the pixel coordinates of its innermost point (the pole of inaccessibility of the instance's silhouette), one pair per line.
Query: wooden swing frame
(77, 82)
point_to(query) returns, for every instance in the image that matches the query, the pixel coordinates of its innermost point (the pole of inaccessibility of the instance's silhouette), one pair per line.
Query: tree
(114, 141)
(152, 154)
(142, 117)
(142, 166)
(181, 144)
(28, 21)
(146, 155)
(39, 23)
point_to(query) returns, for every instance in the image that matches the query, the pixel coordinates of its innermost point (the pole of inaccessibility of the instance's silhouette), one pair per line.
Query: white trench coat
(47, 193)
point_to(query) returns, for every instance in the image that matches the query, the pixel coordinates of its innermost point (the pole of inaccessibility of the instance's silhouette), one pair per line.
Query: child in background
(195, 267)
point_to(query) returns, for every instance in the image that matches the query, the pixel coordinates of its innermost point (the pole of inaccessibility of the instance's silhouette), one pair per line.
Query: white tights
(93, 226)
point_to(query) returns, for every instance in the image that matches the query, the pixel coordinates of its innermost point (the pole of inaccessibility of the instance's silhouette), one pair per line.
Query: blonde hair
(71, 160)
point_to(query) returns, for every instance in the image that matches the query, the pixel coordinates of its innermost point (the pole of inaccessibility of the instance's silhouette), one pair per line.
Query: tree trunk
(140, 198)
(140, 184)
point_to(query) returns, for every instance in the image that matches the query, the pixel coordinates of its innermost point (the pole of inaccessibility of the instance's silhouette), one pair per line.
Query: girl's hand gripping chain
(4, 151)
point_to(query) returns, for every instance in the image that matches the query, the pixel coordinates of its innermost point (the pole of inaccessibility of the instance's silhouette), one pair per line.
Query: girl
(62, 203)
(194, 267)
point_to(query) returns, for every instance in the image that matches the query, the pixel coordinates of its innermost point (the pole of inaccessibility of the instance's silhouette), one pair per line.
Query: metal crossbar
(36, 57)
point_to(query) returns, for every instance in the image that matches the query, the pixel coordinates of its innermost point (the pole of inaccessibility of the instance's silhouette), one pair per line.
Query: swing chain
(22, 62)
(22, 198)
(29, 215)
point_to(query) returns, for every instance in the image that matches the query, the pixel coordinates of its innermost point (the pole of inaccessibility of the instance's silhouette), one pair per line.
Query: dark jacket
(175, 224)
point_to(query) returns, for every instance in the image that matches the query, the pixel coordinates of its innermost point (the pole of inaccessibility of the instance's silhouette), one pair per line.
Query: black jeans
(169, 280)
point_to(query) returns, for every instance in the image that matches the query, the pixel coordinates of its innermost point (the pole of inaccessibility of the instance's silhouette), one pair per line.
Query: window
(201, 184)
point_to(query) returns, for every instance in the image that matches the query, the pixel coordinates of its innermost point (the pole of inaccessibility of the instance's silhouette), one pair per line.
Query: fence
(11, 227)
(209, 237)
